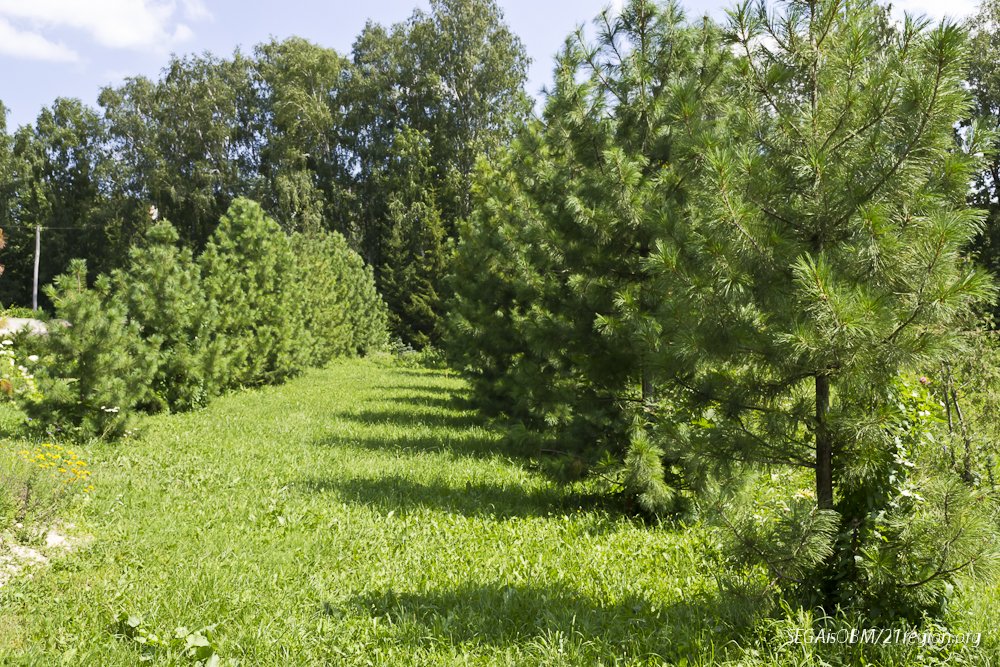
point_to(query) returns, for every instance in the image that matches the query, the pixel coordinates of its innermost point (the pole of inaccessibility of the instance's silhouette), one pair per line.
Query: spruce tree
(412, 241)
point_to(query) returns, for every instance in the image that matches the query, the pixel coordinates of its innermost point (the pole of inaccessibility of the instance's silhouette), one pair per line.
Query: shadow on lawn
(408, 413)
(467, 444)
(432, 401)
(433, 389)
(428, 374)
(401, 494)
(500, 615)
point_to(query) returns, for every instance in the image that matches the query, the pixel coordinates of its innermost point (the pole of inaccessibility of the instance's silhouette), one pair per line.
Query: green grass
(360, 516)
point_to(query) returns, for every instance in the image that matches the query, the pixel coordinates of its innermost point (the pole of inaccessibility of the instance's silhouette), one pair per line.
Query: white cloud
(118, 24)
(182, 33)
(32, 46)
(195, 10)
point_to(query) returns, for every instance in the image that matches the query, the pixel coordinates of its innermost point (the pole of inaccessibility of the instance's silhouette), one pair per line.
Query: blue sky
(70, 48)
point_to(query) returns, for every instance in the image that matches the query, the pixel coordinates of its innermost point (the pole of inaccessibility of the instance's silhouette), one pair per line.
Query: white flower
(33, 358)
(8, 341)
(111, 410)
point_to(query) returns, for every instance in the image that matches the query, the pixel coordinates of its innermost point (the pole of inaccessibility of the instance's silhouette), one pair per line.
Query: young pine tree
(162, 292)
(97, 366)
(823, 261)
(249, 273)
(553, 314)
(342, 312)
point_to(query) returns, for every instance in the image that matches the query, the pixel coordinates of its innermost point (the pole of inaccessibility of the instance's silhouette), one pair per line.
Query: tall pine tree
(553, 311)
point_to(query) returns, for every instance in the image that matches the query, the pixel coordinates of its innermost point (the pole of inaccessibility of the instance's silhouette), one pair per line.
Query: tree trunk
(824, 445)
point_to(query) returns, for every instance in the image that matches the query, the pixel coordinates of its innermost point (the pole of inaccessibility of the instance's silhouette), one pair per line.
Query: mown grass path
(357, 515)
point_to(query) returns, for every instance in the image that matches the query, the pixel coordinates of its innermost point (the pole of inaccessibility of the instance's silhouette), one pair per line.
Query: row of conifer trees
(724, 269)
(170, 330)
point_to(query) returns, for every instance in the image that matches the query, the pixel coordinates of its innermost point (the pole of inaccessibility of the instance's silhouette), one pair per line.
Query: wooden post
(38, 250)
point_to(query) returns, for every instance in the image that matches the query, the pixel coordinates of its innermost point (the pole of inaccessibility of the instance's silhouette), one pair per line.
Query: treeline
(170, 331)
(729, 271)
(378, 145)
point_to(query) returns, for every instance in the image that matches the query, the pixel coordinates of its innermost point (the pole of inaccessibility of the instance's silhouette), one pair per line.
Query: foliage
(17, 382)
(64, 465)
(552, 315)
(167, 332)
(343, 314)
(312, 134)
(824, 257)
(984, 119)
(20, 311)
(60, 171)
(94, 366)
(36, 484)
(745, 257)
(451, 81)
(161, 291)
(413, 250)
(249, 274)
(182, 142)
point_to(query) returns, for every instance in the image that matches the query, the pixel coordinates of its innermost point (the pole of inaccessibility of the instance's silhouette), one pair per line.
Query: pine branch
(925, 118)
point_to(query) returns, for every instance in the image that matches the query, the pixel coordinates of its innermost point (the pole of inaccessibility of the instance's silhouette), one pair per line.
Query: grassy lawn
(357, 515)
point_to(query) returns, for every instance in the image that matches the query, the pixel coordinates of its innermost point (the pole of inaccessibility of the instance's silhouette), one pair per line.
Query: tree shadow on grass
(463, 443)
(434, 402)
(408, 414)
(420, 372)
(432, 389)
(501, 616)
(401, 494)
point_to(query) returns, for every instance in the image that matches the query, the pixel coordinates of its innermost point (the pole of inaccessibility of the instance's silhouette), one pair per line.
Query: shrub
(367, 312)
(249, 273)
(96, 366)
(169, 332)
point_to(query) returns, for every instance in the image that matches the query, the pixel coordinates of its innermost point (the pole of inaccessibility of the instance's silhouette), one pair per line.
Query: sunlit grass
(361, 515)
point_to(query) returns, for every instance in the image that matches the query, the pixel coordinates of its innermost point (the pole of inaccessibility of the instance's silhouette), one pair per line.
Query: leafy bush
(161, 290)
(249, 273)
(96, 366)
(342, 312)
(16, 378)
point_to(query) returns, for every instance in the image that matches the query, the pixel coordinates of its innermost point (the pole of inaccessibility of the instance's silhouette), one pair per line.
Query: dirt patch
(17, 559)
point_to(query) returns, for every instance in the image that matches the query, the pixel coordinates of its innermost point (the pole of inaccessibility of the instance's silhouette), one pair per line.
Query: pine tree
(249, 274)
(343, 314)
(553, 311)
(822, 259)
(97, 369)
(162, 292)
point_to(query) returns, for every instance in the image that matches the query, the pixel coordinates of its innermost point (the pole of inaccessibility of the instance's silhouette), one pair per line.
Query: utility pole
(38, 250)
